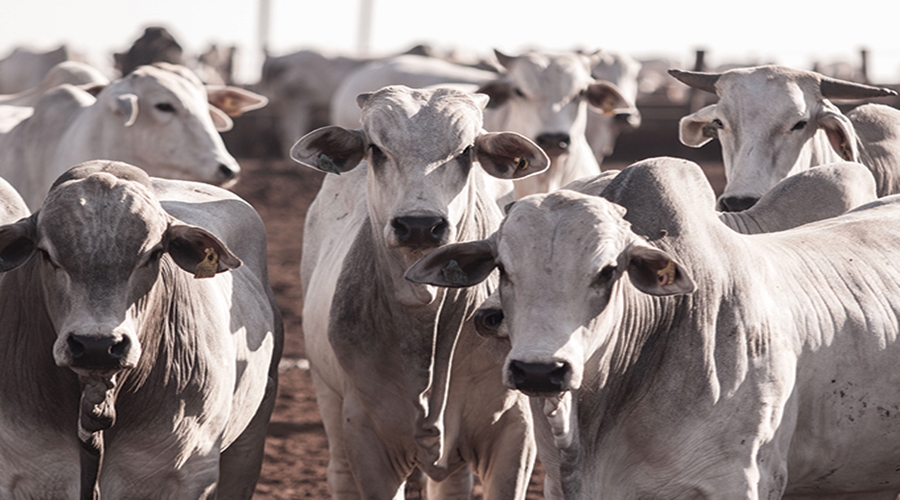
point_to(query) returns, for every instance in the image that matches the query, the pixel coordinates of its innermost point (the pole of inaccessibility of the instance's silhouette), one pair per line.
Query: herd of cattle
(477, 293)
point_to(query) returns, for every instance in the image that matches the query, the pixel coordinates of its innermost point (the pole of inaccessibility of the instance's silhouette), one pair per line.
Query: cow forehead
(175, 82)
(768, 87)
(100, 217)
(434, 123)
(561, 230)
(552, 77)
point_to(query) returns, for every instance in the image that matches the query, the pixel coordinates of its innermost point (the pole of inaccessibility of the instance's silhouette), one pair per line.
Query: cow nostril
(76, 348)
(226, 171)
(120, 349)
(400, 229)
(439, 229)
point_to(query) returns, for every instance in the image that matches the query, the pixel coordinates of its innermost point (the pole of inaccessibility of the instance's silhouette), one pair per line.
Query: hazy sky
(782, 31)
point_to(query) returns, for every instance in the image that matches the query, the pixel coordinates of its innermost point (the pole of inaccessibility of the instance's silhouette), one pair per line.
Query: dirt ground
(297, 449)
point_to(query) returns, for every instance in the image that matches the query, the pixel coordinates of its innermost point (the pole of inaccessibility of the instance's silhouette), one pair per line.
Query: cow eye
(466, 155)
(46, 256)
(799, 125)
(154, 257)
(718, 123)
(519, 92)
(165, 107)
(604, 276)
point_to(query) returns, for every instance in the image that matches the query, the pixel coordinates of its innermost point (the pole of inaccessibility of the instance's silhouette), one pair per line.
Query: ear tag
(666, 275)
(208, 266)
(846, 151)
(609, 106)
(454, 274)
(325, 164)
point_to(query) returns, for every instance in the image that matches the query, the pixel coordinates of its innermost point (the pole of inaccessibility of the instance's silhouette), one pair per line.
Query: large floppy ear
(220, 120)
(839, 130)
(455, 265)
(654, 272)
(606, 98)
(498, 90)
(17, 243)
(126, 106)
(198, 251)
(234, 101)
(509, 155)
(330, 149)
(697, 129)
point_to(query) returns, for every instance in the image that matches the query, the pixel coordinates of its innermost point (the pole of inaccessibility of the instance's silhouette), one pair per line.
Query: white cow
(141, 341)
(672, 357)
(541, 95)
(775, 121)
(401, 379)
(300, 86)
(75, 73)
(604, 128)
(24, 68)
(158, 118)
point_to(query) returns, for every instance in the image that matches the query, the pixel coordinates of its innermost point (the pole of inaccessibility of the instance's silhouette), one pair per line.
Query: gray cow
(141, 341)
(672, 357)
(775, 121)
(401, 379)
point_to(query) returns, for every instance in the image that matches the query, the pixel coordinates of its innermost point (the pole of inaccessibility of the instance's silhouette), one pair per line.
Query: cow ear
(606, 98)
(695, 130)
(198, 251)
(654, 272)
(498, 90)
(220, 120)
(509, 155)
(840, 131)
(330, 149)
(16, 243)
(126, 106)
(234, 101)
(455, 265)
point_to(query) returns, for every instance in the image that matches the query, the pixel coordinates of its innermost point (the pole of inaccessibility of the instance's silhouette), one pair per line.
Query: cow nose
(539, 378)
(488, 321)
(98, 352)
(420, 231)
(227, 173)
(554, 143)
(736, 203)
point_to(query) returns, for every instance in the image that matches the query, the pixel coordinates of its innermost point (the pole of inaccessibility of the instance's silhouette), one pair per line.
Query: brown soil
(297, 449)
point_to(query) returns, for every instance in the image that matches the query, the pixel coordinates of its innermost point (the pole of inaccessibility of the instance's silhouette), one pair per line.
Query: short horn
(696, 79)
(839, 89)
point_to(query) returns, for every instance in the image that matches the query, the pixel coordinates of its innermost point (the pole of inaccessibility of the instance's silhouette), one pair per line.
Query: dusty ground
(297, 450)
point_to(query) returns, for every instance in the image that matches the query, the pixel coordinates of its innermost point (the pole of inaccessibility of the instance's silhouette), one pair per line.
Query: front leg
(379, 466)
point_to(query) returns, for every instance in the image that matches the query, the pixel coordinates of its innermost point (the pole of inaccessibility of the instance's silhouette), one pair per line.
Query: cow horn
(696, 79)
(832, 88)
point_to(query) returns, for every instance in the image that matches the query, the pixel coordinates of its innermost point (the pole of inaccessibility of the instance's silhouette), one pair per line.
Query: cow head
(545, 97)
(160, 118)
(97, 246)
(422, 148)
(770, 120)
(562, 258)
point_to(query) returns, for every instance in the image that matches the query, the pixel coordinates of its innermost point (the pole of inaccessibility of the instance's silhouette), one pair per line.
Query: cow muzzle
(100, 353)
(540, 379)
(420, 232)
(554, 144)
(736, 203)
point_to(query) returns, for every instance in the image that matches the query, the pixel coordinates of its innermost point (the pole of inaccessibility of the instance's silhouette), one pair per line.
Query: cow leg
(380, 468)
(508, 458)
(456, 486)
(240, 464)
(339, 475)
